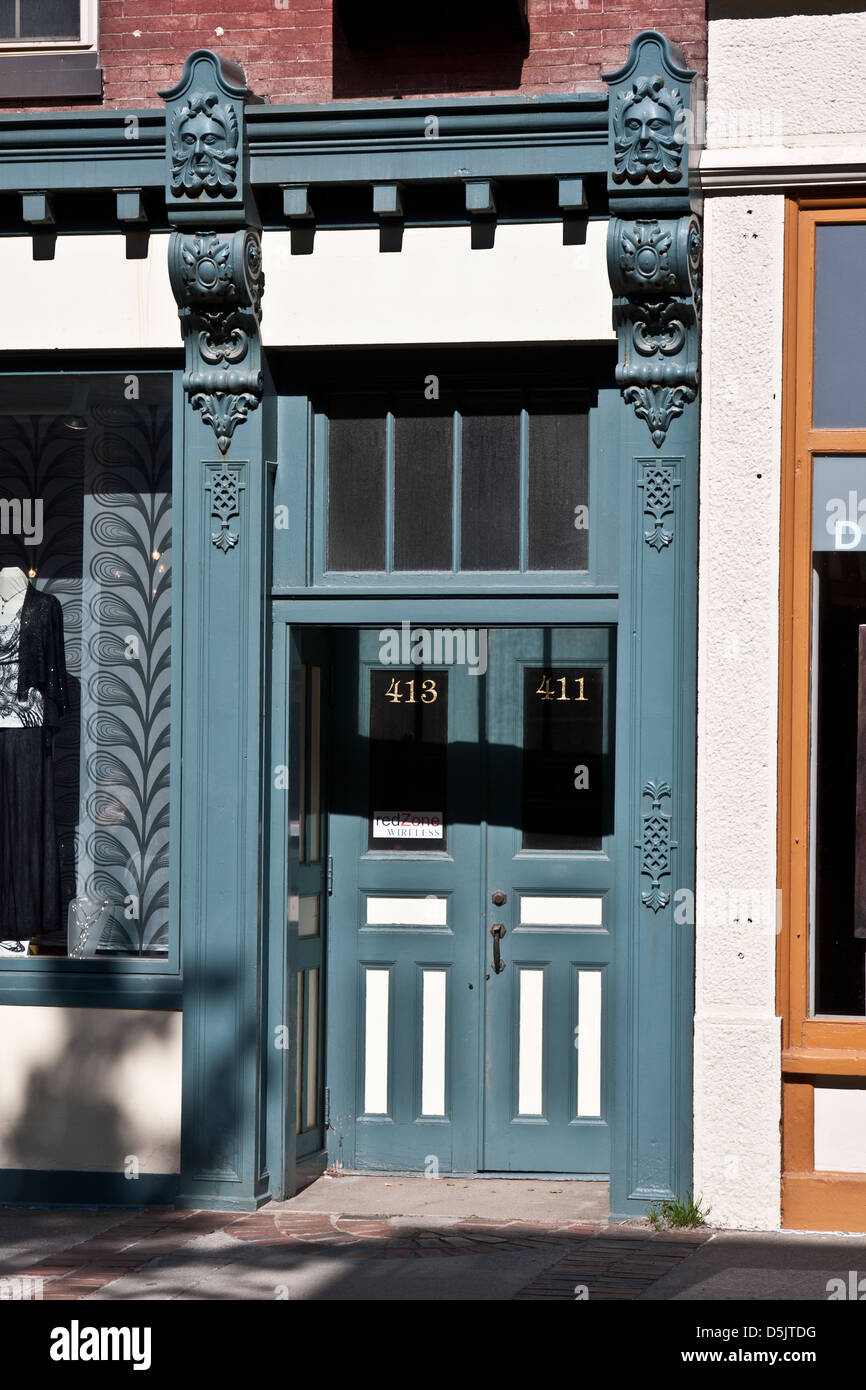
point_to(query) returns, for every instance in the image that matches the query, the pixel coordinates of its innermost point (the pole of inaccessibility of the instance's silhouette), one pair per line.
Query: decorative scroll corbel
(215, 253)
(654, 241)
(654, 273)
(218, 282)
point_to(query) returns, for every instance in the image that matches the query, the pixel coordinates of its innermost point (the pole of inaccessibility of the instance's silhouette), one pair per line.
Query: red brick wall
(294, 50)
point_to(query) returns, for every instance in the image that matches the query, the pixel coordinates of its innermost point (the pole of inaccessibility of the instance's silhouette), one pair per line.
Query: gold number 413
(550, 684)
(429, 692)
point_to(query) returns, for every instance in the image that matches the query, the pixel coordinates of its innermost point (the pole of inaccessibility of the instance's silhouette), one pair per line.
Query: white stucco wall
(85, 1089)
(798, 78)
(528, 287)
(785, 109)
(784, 99)
(737, 1034)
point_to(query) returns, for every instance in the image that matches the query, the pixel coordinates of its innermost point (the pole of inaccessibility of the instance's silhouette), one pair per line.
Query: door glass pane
(558, 491)
(563, 757)
(838, 792)
(423, 488)
(315, 756)
(299, 1061)
(356, 488)
(408, 759)
(840, 310)
(302, 780)
(490, 490)
(311, 1044)
(7, 19)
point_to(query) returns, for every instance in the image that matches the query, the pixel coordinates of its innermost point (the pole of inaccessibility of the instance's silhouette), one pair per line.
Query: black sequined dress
(33, 699)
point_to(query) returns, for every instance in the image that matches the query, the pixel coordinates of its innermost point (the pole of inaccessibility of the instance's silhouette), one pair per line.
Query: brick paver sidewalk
(586, 1261)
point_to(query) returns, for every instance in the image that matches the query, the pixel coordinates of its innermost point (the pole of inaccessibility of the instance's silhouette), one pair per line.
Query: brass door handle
(497, 931)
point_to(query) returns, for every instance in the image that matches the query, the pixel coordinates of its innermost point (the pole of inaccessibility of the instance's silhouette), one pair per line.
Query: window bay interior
(447, 470)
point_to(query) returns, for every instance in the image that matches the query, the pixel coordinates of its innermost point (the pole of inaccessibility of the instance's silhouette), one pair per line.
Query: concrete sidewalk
(398, 1239)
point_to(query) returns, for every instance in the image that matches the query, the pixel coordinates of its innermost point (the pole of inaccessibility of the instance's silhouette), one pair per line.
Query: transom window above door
(470, 482)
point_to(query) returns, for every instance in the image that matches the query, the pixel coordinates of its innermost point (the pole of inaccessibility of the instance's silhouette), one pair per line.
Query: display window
(85, 665)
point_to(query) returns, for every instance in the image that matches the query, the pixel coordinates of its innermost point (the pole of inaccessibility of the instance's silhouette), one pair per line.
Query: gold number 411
(549, 684)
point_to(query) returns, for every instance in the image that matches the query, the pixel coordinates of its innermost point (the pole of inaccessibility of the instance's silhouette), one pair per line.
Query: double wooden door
(471, 912)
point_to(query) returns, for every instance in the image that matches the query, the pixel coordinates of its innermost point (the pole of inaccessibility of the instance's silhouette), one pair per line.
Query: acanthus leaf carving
(659, 405)
(224, 411)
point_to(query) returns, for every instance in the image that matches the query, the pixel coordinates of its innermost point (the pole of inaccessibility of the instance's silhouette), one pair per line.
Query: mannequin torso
(14, 713)
(13, 591)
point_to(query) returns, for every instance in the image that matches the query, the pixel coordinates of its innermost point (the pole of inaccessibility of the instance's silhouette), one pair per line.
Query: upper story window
(48, 50)
(42, 21)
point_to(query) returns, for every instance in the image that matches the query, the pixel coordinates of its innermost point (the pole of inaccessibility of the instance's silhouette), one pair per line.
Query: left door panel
(406, 846)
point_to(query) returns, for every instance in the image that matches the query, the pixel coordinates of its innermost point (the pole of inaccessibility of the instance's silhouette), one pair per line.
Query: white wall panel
(433, 1042)
(88, 296)
(527, 287)
(840, 1130)
(418, 912)
(562, 911)
(589, 1042)
(83, 1089)
(530, 1054)
(376, 1042)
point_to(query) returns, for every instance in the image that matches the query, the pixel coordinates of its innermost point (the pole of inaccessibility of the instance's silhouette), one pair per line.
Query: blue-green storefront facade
(416, 916)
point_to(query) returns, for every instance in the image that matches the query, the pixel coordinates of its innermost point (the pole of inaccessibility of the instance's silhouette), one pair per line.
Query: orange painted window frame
(813, 1045)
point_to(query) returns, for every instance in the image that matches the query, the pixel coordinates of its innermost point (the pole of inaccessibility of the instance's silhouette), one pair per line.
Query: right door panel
(549, 775)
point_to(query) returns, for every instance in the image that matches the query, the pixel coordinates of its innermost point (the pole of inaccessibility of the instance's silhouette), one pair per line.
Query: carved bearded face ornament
(648, 133)
(204, 140)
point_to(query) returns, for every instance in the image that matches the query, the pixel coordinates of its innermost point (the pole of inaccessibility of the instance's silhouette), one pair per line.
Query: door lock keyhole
(499, 899)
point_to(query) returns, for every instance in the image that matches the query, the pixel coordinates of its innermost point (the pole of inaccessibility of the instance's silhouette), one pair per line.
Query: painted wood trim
(33, 1185)
(834, 1032)
(799, 442)
(823, 1202)
(824, 1061)
(786, 600)
(331, 142)
(120, 990)
(836, 441)
(811, 1046)
(380, 611)
(798, 1127)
